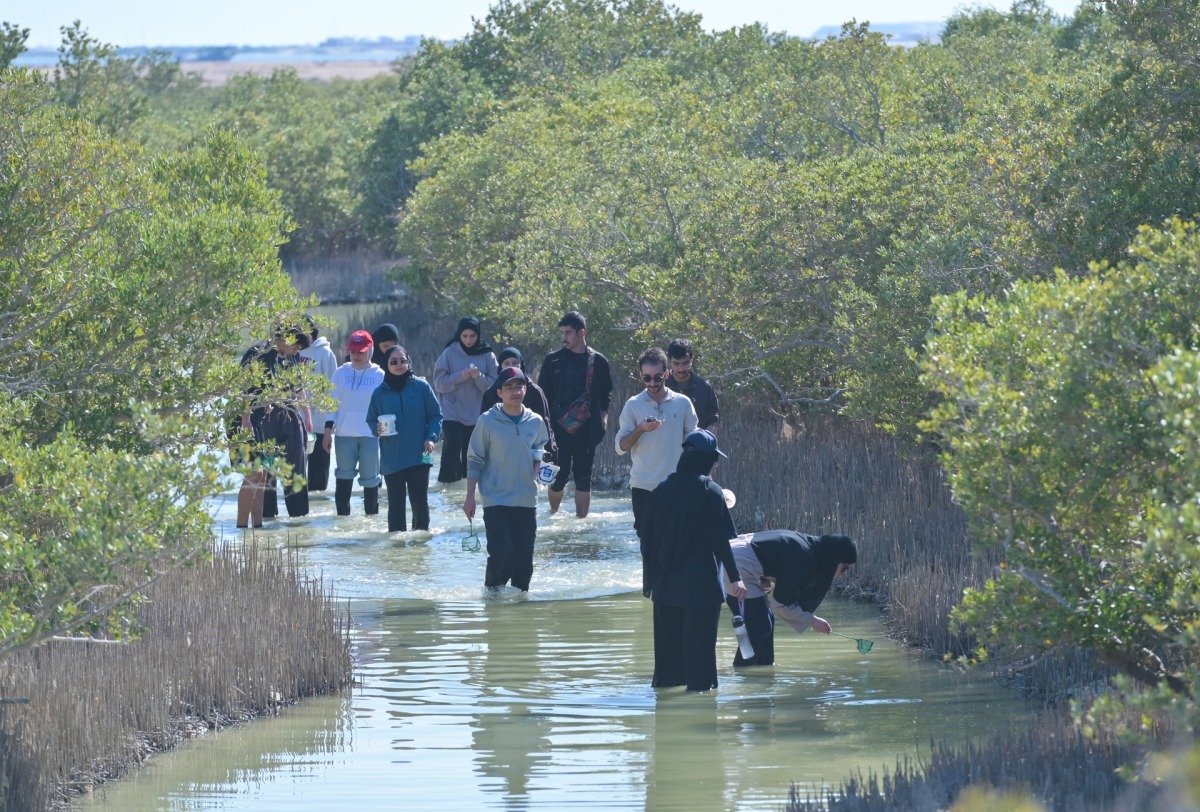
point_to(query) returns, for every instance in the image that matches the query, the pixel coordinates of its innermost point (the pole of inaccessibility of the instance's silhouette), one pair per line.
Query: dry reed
(232, 638)
(361, 276)
(821, 474)
(1053, 761)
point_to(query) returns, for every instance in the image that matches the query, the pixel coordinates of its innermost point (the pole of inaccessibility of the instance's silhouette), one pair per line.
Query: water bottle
(743, 638)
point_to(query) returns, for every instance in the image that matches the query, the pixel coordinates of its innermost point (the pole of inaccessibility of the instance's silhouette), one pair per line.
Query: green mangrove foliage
(1068, 418)
(793, 205)
(12, 43)
(127, 282)
(114, 92)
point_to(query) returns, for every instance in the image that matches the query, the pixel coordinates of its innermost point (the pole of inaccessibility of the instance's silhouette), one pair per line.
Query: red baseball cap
(360, 340)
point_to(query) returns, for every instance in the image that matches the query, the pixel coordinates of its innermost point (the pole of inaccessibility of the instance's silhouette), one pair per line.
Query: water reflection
(686, 756)
(544, 701)
(505, 753)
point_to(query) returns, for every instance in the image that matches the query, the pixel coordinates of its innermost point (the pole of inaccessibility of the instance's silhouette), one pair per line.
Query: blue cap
(702, 440)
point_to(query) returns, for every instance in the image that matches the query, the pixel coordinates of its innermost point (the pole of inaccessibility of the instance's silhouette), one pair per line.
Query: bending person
(786, 575)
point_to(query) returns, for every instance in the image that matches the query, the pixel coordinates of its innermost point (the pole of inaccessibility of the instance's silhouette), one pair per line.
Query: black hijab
(397, 382)
(682, 506)
(470, 323)
(509, 352)
(384, 332)
(802, 565)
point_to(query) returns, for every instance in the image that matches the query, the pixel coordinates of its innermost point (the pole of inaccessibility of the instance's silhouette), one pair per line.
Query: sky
(308, 22)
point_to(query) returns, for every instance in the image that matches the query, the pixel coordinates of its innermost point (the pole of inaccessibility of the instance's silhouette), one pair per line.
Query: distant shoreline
(218, 73)
(215, 74)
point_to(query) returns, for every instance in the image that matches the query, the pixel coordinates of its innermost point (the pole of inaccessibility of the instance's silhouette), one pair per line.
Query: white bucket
(387, 422)
(546, 473)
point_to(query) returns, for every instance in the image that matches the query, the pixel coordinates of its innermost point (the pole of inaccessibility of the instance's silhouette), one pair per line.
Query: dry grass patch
(224, 641)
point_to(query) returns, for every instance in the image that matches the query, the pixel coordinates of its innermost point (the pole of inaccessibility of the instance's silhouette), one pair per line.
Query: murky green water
(544, 701)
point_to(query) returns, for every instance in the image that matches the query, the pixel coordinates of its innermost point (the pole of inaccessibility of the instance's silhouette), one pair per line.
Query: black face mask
(397, 382)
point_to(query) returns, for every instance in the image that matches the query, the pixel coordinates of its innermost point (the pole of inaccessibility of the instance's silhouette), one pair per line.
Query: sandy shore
(217, 73)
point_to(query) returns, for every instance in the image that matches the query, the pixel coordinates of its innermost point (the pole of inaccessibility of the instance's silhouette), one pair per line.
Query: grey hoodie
(325, 363)
(500, 457)
(462, 398)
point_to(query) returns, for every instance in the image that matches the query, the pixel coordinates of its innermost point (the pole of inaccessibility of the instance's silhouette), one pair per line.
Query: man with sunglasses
(653, 425)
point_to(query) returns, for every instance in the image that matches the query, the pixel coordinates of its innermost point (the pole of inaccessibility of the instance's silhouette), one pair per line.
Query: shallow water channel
(544, 701)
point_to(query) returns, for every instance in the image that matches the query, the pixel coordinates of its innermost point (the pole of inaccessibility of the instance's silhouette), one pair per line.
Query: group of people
(376, 380)
(280, 420)
(497, 426)
(693, 560)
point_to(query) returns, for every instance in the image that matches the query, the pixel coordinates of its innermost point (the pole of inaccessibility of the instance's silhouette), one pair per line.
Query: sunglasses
(653, 378)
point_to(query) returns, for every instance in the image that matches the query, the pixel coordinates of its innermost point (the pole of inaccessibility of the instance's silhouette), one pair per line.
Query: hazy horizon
(270, 23)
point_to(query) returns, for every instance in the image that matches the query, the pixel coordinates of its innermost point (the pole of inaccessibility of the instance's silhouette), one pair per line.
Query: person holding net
(786, 575)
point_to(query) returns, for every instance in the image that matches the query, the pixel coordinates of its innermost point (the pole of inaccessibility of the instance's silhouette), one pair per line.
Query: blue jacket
(418, 418)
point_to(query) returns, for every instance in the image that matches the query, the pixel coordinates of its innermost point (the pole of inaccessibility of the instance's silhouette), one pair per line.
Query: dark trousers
(510, 533)
(685, 646)
(455, 438)
(318, 467)
(283, 426)
(414, 480)
(295, 499)
(642, 501)
(576, 456)
(760, 624)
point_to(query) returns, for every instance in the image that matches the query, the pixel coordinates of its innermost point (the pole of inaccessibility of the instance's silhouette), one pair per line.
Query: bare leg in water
(250, 499)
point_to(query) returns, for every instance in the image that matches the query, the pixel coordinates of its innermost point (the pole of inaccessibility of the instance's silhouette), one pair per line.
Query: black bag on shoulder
(580, 411)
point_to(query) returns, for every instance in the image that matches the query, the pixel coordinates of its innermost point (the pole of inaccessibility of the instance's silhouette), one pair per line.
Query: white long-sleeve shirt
(352, 390)
(655, 453)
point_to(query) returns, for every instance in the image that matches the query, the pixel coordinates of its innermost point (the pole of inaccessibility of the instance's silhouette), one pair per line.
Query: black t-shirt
(702, 395)
(272, 364)
(563, 378)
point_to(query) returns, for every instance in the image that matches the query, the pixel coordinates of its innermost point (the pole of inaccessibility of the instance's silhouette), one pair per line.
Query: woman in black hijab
(787, 575)
(535, 398)
(688, 535)
(385, 337)
(462, 373)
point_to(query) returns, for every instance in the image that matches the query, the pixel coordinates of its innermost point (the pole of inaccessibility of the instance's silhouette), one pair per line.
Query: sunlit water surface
(544, 701)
